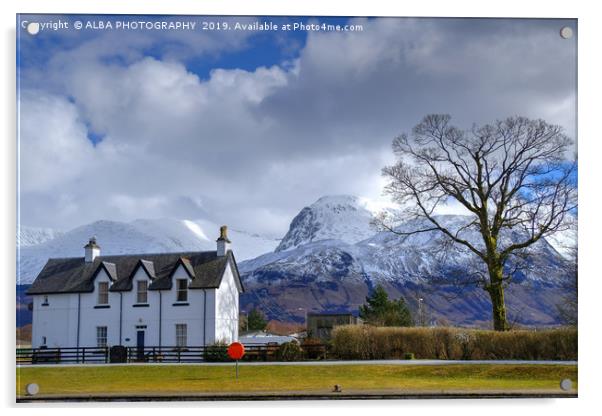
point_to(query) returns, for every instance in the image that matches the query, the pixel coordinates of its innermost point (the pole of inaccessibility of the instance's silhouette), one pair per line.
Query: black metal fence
(164, 354)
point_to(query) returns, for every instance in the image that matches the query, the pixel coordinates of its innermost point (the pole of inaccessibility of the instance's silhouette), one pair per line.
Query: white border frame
(590, 68)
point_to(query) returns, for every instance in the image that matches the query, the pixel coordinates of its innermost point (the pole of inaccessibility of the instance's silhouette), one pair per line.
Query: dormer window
(103, 293)
(182, 290)
(142, 291)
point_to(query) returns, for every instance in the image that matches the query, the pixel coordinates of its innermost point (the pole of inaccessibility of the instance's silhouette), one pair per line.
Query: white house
(173, 299)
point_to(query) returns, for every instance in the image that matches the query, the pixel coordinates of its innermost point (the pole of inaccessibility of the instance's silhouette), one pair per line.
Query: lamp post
(303, 309)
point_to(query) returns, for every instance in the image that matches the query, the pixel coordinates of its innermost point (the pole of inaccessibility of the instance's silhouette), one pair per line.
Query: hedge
(364, 342)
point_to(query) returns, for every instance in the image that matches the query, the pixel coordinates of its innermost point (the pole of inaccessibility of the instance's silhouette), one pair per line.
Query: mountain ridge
(330, 259)
(138, 236)
(29, 236)
(316, 269)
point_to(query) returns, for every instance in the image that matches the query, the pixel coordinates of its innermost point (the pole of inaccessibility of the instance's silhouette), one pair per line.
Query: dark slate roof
(149, 266)
(110, 268)
(74, 275)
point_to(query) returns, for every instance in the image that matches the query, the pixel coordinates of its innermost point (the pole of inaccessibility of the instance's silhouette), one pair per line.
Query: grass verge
(198, 379)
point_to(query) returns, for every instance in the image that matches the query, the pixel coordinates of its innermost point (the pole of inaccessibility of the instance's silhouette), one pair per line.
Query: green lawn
(190, 379)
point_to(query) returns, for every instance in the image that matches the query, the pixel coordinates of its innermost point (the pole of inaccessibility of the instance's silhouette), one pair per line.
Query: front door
(140, 345)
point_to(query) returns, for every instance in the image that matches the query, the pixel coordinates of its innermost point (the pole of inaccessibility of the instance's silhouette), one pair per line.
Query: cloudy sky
(245, 127)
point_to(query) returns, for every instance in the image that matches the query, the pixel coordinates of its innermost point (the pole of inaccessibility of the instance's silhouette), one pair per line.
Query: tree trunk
(496, 293)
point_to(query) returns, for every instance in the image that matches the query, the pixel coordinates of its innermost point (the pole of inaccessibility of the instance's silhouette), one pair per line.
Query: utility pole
(305, 322)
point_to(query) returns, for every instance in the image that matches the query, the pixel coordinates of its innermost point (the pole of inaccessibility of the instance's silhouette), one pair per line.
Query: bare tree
(511, 177)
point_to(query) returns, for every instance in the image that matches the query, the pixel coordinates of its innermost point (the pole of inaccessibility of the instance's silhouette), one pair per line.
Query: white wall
(226, 308)
(191, 314)
(92, 316)
(210, 333)
(136, 317)
(57, 321)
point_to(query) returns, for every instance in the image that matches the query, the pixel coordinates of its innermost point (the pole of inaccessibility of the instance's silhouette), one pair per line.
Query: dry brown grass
(368, 342)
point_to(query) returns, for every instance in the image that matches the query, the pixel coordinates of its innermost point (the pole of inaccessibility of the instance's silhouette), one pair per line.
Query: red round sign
(236, 351)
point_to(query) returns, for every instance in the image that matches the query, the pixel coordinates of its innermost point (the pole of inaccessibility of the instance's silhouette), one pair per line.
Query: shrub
(465, 340)
(289, 351)
(408, 356)
(367, 342)
(314, 348)
(216, 353)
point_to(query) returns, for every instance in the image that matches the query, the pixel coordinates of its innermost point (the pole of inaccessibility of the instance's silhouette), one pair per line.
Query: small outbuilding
(320, 325)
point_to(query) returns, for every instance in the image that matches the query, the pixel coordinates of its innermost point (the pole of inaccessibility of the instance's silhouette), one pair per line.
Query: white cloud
(54, 145)
(250, 148)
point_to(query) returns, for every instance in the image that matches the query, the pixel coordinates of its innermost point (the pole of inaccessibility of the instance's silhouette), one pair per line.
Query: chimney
(92, 250)
(223, 244)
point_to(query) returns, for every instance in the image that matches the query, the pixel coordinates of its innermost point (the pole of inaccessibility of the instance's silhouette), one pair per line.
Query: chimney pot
(223, 233)
(223, 243)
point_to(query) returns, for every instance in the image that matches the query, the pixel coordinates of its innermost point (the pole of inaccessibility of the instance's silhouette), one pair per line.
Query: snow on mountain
(345, 218)
(29, 236)
(140, 236)
(389, 257)
(331, 258)
(564, 242)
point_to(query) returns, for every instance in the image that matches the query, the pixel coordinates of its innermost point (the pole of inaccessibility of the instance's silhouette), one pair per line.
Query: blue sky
(265, 48)
(246, 128)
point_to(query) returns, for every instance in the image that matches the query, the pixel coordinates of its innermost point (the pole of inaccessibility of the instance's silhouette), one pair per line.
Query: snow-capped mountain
(385, 256)
(29, 236)
(343, 217)
(331, 257)
(140, 236)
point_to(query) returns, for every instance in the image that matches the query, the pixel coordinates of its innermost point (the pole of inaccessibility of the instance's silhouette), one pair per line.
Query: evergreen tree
(381, 311)
(256, 321)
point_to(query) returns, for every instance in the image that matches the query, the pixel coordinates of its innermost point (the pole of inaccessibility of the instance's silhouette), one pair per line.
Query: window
(142, 289)
(101, 336)
(43, 340)
(182, 290)
(181, 340)
(103, 293)
(45, 302)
